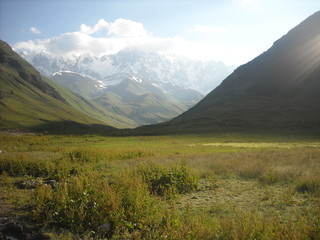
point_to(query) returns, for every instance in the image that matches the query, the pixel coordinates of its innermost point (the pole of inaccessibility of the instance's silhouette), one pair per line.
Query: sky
(231, 31)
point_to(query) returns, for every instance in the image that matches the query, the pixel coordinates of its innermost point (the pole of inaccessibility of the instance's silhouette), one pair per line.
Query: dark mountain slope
(26, 73)
(278, 89)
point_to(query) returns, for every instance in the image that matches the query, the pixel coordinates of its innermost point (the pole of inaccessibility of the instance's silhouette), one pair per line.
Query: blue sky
(232, 31)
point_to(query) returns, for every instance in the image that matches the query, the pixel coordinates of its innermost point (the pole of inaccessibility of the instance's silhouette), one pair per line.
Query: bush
(83, 203)
(168, 182)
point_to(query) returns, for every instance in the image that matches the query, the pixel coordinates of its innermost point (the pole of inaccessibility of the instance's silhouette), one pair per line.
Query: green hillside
(140, 102)
(91, 108)
(28, 101)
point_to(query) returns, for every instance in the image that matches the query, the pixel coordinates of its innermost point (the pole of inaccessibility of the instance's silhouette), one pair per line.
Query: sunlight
(307, 53)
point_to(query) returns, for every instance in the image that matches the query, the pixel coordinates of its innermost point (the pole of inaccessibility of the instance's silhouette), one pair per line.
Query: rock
(105, 228)
(50, 182)
(29, 184)
(13, 228)
(34, 183)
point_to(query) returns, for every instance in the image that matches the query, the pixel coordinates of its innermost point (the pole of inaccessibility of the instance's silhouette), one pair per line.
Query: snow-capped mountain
(155, 68)
(78, 83)
(145, 87)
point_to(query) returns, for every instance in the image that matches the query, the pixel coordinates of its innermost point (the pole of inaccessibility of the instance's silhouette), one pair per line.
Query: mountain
(131, 97)
(29, 101)
(139, 101)
(174, 80)
(152, 67)
(280, 89)
(78, 83)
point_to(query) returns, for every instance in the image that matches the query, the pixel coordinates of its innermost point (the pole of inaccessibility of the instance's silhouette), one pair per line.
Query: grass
(163, 187)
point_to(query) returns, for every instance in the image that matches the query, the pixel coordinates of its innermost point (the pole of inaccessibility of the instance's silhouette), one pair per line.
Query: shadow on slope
(73, 128)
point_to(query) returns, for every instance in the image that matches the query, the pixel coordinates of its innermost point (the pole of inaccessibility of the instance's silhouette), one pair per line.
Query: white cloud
(100, 25)
(35, 30)
(113, 37)
(105, 38)
(208, 29)
(127, 28)
(29, 46)
(119, 28)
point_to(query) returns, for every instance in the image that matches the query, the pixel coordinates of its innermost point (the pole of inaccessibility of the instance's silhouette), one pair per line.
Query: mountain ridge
(152, 67)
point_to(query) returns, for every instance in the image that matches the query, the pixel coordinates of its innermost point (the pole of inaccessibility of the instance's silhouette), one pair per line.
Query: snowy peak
(134, 78)
(78, 83)
(152, 67)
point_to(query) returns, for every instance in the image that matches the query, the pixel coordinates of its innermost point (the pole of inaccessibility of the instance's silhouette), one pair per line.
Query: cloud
(208, 29)
(100, 25)
(113, 37)
(119, 28)
(104, 38)
(35, 30)
(127, 28)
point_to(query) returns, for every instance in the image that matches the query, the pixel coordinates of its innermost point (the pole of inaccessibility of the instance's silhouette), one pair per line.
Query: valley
(145, 87)
(105, 133)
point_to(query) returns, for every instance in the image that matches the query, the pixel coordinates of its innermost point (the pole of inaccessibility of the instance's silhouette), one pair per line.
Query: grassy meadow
(225, 186)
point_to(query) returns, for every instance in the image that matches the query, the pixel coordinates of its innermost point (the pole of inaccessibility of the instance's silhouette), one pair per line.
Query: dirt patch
(14, 225)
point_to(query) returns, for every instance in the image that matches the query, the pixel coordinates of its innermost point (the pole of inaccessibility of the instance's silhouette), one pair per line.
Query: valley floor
(159, 187)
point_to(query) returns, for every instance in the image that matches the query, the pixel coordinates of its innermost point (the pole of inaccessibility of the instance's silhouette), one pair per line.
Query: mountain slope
(28, 101)
(139, 101)
(278, 89)
(170, 100)
(77, 83)
(91, 108)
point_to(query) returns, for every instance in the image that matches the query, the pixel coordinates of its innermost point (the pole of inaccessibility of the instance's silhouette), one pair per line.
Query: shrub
(168, 182)
(75, 204)
(83, 203)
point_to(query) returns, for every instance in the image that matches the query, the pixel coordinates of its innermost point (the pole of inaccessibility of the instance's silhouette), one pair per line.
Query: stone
(104, 228)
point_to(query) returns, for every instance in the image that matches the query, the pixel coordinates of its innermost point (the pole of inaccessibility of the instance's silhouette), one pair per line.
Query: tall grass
(266, 166)
(132, 184)
(83, 203)
(36, 164)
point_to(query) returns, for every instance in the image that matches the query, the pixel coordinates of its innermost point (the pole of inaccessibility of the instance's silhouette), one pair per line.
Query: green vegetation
(30, 101)
(166, 187)
(91, 108)
(141, 102)
(168, 182)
